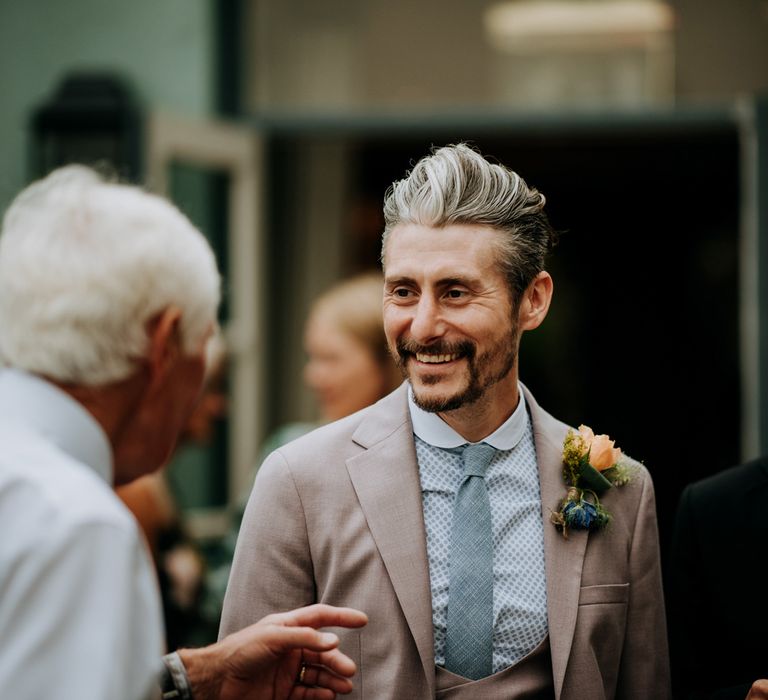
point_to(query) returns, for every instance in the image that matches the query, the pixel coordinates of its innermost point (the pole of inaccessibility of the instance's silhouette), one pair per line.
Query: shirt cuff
(174, 683)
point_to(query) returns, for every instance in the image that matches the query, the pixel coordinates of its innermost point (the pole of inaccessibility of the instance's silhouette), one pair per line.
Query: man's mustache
(464, 348)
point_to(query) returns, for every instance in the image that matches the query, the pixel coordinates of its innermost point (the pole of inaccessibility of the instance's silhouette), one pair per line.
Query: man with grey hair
(432, 509)
(108, 297)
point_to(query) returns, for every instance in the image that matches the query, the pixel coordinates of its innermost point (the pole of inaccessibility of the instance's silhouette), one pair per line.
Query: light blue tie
(469, 634)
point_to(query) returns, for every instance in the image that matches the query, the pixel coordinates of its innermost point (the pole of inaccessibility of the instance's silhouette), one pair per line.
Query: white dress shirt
(80, 614)
(512, 479)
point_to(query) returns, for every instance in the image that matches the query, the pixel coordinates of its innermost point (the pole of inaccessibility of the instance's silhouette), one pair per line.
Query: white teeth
(435, 359)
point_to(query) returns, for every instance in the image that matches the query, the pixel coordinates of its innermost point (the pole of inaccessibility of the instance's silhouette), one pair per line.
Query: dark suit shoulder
(724, 511)
(729, 484)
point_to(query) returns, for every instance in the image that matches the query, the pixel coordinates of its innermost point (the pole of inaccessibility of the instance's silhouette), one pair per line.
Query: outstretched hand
(265, 661)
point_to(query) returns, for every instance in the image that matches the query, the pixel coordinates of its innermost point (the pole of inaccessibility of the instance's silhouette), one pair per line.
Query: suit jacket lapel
(386, 480)
(564, 559)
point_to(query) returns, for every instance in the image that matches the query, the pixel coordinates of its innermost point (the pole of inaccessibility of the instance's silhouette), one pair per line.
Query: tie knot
(477, 458)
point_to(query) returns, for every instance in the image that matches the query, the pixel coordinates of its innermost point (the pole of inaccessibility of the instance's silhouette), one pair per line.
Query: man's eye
(456, 293)
(403, 293)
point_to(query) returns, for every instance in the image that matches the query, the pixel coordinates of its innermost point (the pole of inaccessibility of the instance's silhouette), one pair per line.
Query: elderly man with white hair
(108, 296)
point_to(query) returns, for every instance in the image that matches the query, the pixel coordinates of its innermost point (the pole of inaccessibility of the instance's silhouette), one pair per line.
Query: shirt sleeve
(80, 615)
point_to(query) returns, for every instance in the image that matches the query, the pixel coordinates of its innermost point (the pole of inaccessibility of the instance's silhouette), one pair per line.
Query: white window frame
(237, 150)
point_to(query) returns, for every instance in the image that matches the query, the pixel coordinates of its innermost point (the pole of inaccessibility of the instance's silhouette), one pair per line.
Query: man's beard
(479, 367)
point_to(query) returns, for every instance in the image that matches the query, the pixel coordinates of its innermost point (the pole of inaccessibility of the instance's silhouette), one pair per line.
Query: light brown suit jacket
(336, 517)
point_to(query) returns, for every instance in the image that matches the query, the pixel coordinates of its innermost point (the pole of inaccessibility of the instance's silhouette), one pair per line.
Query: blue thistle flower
(580, 515)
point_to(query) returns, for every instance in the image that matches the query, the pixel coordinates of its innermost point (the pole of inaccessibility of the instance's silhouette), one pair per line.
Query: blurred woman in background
(348, 364)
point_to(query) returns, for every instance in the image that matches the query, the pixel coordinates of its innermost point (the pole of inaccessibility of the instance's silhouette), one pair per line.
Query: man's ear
(535, 303)
(164, 343)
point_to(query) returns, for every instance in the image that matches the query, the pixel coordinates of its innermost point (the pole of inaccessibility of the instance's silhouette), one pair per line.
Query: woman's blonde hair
(354, 306)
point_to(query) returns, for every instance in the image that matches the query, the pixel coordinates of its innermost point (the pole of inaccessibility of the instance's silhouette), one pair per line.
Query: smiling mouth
(436, 359)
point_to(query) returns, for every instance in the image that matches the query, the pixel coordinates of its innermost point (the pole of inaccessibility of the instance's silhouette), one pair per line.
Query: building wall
(306, 57)
(163, 48)
(721, 49)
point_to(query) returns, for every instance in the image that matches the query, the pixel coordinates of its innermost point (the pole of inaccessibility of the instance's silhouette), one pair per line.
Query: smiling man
(431, 509)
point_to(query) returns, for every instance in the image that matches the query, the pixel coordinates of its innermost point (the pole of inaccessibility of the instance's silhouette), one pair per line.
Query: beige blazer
(336, 517)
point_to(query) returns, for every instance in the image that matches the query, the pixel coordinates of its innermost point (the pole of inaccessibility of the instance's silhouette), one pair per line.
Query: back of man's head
(85, 265)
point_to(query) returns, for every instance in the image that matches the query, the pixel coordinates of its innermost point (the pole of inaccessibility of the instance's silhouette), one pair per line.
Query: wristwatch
(174, 683)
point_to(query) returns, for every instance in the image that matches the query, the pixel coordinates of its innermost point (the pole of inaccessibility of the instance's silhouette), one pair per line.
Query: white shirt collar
(435, 431)
(29, 400)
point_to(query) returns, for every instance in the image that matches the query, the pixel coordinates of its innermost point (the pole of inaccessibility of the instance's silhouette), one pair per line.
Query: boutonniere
(591, 466)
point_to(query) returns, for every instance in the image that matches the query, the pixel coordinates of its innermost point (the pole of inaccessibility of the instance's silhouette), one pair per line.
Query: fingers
(759, 690)
(282, 639)
(301, 693)
(319, 615)
(334, 660)
(321, 677)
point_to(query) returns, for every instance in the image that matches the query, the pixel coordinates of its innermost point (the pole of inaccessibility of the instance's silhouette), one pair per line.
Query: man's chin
(428, 398)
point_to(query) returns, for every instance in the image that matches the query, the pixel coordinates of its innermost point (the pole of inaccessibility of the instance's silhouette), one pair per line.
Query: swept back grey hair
(85, 265)
(457, 185)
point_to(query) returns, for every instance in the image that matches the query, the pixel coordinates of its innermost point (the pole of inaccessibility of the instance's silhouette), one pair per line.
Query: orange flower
(586, 434)
(602, 453)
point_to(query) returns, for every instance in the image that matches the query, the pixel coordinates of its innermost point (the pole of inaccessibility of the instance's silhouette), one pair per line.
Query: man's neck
(478, 420)
(113, 406)
(105, 403)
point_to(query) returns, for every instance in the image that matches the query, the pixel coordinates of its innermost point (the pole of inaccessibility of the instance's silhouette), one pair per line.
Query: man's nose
(427, 324)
